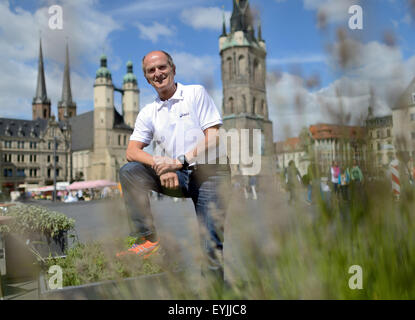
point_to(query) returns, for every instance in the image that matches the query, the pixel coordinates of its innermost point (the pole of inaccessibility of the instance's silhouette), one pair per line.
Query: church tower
(130, 101)
(66, 107)
(243, 78)
(103, 120)
(40, 103)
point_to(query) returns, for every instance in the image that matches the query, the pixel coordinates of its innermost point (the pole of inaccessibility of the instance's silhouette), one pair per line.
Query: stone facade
(381, 150)
(403, 115)
(337, 142)
(291, 149)
(101, 138)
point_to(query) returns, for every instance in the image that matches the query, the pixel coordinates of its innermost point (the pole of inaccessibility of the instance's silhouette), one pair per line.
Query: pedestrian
(80, 195)
(252, 184)
(343, 183)
(311, 180)
(334, 176)
(292, 180)
(356, 174)
(178, 111)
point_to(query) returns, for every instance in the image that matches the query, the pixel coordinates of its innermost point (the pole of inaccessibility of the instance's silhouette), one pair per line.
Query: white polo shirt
(177, 124)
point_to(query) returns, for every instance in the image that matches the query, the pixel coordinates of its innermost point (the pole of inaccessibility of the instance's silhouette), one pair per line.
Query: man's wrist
(183, 162)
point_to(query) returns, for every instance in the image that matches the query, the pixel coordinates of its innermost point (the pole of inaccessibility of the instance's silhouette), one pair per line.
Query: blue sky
(298, 49)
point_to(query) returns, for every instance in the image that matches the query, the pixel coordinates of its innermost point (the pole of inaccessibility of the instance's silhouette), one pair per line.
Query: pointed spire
(41, 95)
(260, 31)
(224, 24)
(241, 19)
(66, 100)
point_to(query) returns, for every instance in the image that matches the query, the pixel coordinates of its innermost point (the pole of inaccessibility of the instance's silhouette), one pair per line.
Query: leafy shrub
(31, 218)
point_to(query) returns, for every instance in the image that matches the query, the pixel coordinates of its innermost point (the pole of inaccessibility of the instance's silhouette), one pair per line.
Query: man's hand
(170, 180)
(164, 165)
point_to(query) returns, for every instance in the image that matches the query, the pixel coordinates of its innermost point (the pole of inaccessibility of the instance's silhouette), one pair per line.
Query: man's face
(158, 72)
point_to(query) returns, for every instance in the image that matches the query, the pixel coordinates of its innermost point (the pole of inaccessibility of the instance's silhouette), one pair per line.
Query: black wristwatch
(183, 161)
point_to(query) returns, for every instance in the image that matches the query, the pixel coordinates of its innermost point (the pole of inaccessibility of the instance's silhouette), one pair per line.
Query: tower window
(231, 106)
(242, 65)
(45, 112)
(413, 97)
(229, 68)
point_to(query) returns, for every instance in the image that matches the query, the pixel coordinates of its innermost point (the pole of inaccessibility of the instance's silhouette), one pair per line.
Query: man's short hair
(169, 61)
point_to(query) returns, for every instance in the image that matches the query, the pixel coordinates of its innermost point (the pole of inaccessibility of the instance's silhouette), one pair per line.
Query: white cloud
(204, 17)
(143, 8)
(333, 10)
(87, 31)
(296, 59)
(378, 68)
(155, 31)
(197, 69)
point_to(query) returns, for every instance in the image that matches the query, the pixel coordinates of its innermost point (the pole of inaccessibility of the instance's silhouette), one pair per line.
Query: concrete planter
(21, 264)
(146, 287)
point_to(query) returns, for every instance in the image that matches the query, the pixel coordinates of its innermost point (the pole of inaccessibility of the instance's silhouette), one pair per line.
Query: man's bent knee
(131, 168)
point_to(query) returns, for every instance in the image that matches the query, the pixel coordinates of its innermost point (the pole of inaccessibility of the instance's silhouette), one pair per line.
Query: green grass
(311, 257)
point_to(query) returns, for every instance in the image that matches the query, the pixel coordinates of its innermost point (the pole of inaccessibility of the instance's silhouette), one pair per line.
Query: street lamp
(54, 168)
(66, 130)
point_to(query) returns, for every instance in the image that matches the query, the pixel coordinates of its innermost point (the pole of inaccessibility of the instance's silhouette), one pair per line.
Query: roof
(289, 145)
(332, 131)
(82, 127)
(379, 122)
(22, 128)
(119, 122)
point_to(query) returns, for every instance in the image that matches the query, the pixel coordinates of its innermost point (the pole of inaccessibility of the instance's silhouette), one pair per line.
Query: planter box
(21, 264)
(146, 287)
(46, 246)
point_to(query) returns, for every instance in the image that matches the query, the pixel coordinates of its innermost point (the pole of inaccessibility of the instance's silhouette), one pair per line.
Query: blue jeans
(201, 185)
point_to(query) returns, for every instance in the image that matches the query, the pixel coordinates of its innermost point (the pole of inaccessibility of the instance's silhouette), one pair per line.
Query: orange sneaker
(145, 249)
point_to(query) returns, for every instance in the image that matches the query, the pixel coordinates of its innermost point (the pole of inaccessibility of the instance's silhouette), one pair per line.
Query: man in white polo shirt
(184, 122)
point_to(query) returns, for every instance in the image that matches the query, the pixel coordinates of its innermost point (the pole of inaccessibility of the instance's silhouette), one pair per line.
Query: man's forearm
(138, 155)
(210, 142)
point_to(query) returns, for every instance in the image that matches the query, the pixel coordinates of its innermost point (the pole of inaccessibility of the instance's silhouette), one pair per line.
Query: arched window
(255, 74)
(242, 65)
(231, 106)
(45, 113)
(262, 111)
(244, 106)
(254, 111)
(229, 68)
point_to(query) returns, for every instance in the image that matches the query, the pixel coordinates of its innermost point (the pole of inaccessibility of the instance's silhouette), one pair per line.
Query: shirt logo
(184, 115)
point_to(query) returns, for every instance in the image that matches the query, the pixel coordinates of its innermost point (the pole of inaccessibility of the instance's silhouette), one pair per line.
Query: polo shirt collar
(178, 95)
